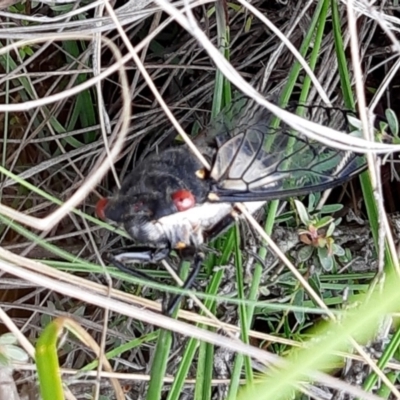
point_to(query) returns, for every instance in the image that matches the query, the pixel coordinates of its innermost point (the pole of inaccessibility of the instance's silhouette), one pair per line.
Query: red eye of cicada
(100, 206)
(183, 199)
(137, 206)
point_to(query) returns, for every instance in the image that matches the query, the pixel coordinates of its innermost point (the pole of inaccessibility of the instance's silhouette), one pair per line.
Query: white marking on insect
(188, 226)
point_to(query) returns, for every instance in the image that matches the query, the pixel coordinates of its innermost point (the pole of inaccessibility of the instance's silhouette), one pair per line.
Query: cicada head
(154, 199)
(136, 214)
(140, 213)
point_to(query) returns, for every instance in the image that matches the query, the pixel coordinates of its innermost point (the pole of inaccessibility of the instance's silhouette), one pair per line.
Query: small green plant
(388, 131)
(318, 233)
(392, 123)
(9, 351)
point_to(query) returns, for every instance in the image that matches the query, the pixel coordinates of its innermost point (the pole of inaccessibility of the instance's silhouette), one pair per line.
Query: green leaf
(298, 300)
(7, 338)
(338, 221)
(331, 229)
(325, 259)
(312, 201)
(355, 122)
(348, 255)
(393, 122)
(382, 126)
(315, 283)
(4, 360)
(16, 353)
(331, 208)
(305, 253)
(323, 222)
(338, 250)
(303, 215)
(236, 7)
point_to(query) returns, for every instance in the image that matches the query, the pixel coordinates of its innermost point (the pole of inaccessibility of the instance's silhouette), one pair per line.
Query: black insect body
(153, 192)
(170, 202)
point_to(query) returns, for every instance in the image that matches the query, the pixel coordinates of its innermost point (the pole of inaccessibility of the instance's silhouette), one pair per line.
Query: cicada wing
(265, 163)
(234, 119)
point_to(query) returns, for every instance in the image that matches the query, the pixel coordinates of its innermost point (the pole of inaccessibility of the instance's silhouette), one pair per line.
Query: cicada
(171, 202)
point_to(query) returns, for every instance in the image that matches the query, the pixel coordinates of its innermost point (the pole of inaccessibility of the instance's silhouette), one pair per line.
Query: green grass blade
(319, 355)
(243, 318)
(47, 364)
(239, 359)
(159, 365)
(387, 355)
(366, 186)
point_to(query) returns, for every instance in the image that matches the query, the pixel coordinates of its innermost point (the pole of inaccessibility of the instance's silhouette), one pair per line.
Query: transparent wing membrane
(260, 161)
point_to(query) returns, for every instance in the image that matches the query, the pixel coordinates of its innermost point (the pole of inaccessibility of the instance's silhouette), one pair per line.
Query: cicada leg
(151, 255)
(170, 305)
(141, 256)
